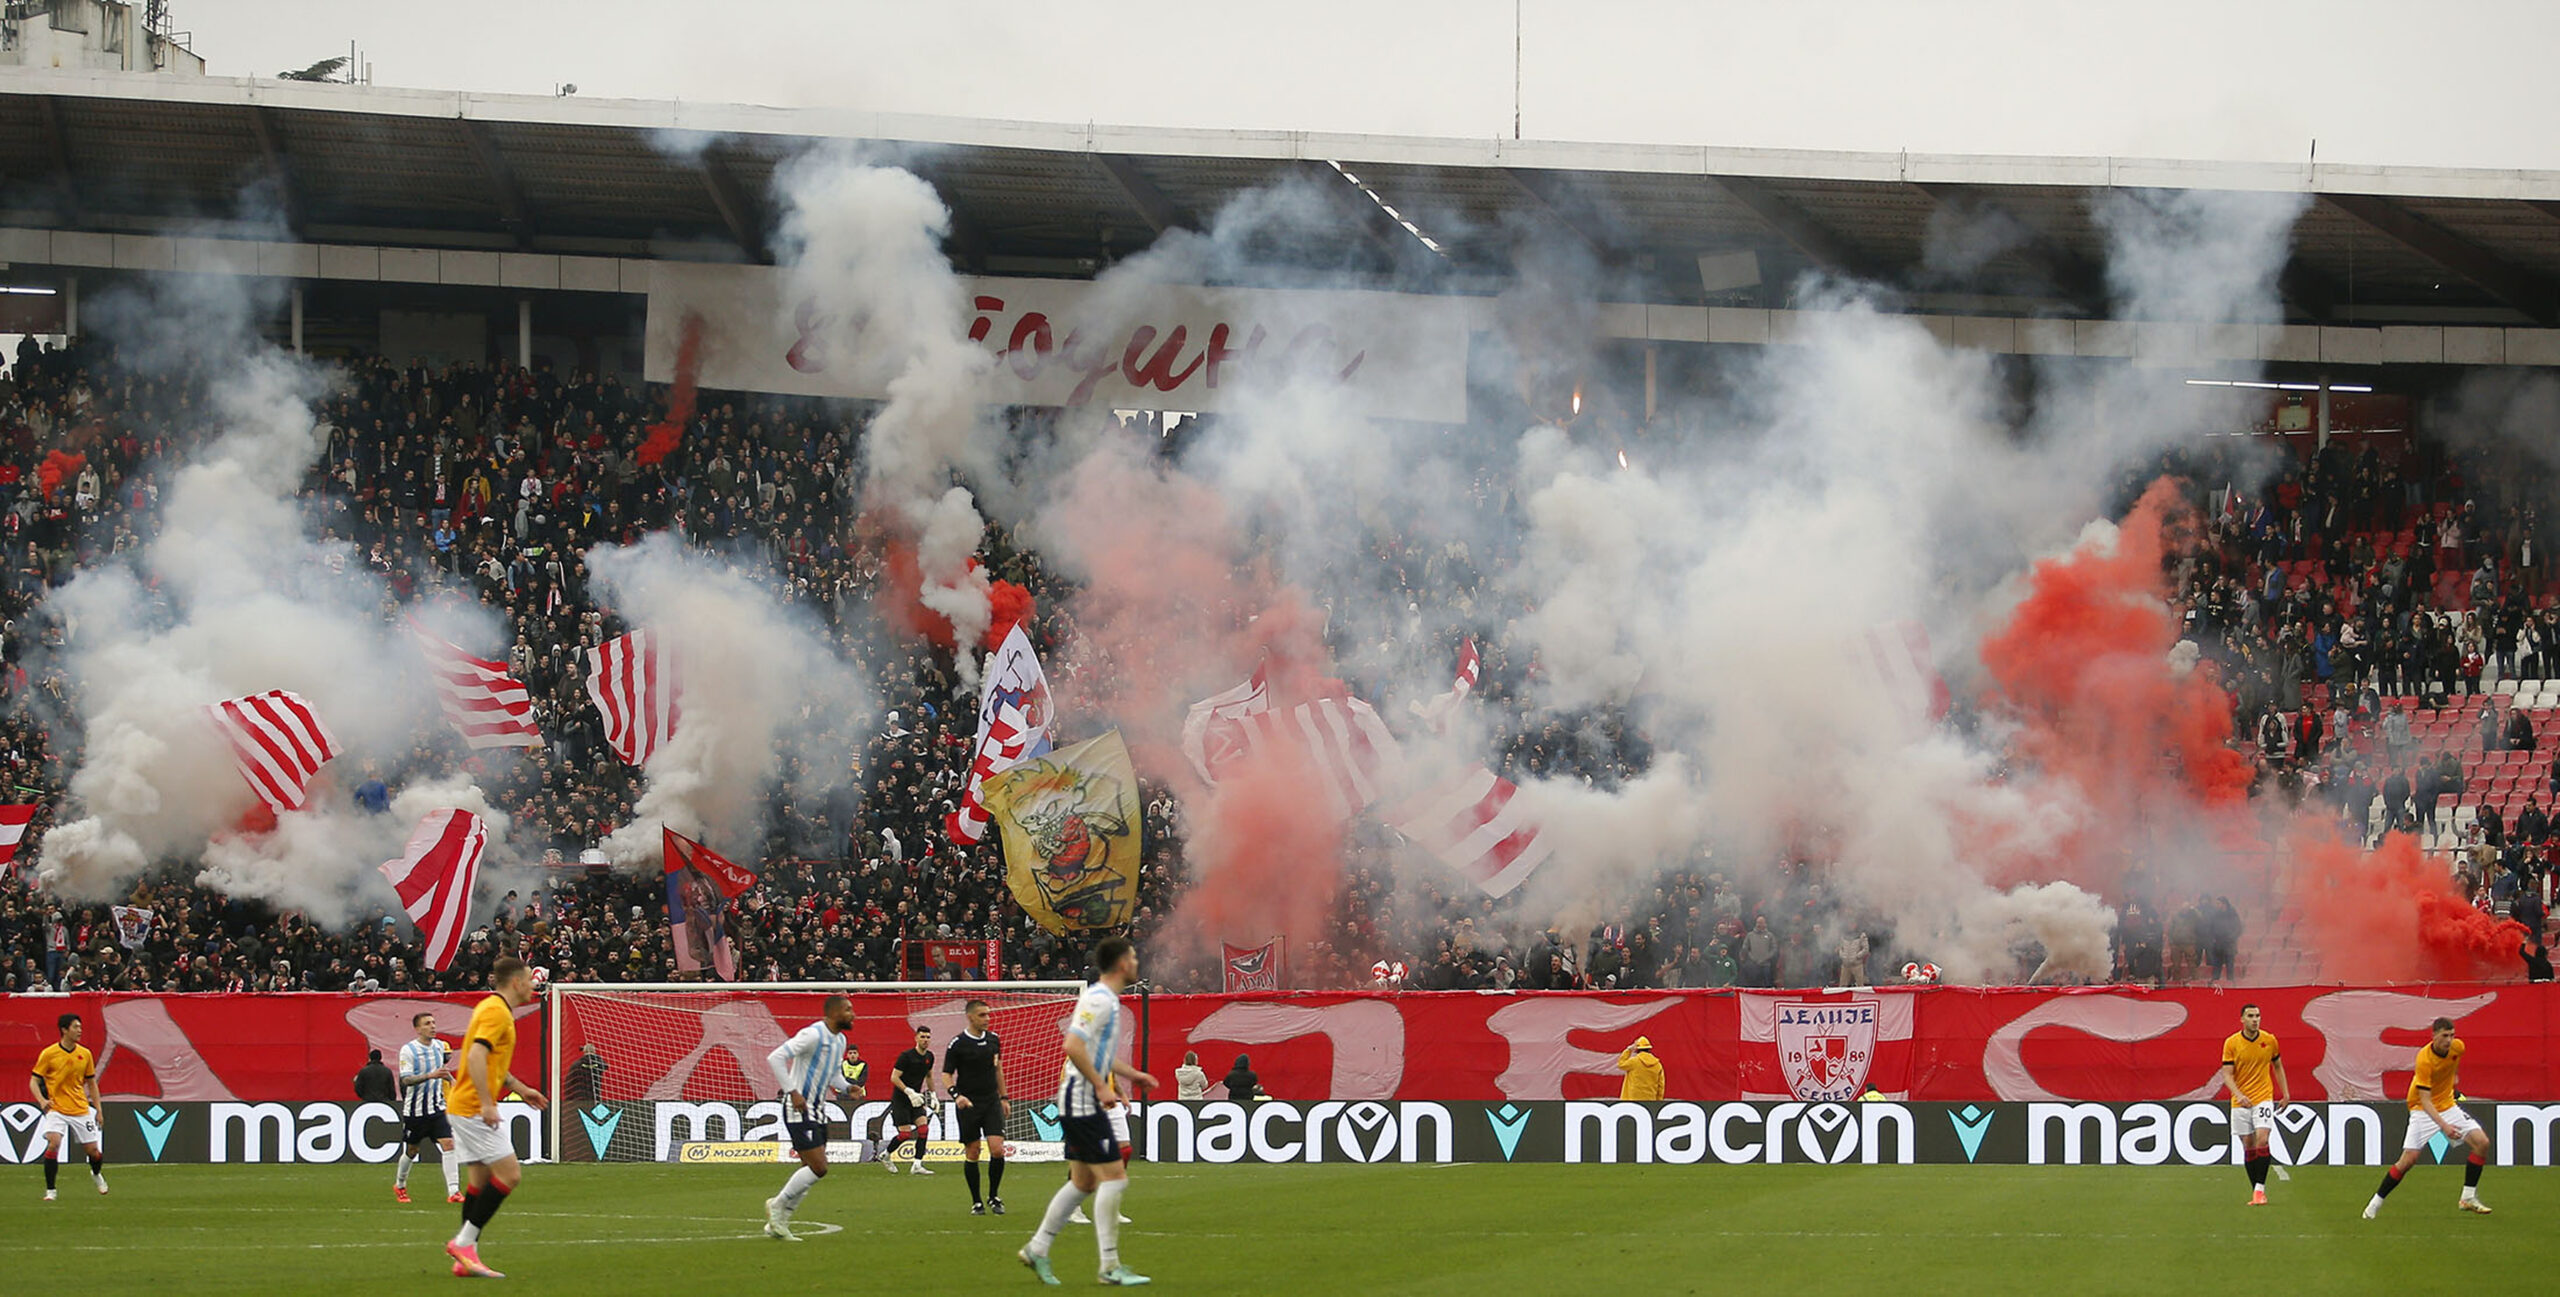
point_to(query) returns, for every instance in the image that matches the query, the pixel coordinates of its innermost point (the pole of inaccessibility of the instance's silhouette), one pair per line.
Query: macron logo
(1509, 1122)
(600, 1122)
(156, 1123)
(1044, 1121)
(1971, 1125)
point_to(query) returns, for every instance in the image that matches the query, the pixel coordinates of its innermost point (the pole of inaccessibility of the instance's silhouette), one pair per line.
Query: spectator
(1241, 1084)
(374, 1082)
(1189, 1082)
(2537, 958)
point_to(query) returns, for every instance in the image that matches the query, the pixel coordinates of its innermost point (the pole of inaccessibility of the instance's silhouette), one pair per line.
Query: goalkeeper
(910, 1111)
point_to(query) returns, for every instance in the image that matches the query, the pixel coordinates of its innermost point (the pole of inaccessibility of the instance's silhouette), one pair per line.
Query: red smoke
(901, 600)
(1169, 614)
(2141, 754)
(2394, 914)
(56, 467)
(668, 433)
(2083, 668)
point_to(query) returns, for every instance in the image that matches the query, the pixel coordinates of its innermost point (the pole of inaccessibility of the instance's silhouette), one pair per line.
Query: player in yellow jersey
(65, 1084)
(2253, 1071)
(2432, 1112)
(489, 1166)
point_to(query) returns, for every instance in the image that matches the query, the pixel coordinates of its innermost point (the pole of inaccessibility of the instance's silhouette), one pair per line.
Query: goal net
(641, 1072)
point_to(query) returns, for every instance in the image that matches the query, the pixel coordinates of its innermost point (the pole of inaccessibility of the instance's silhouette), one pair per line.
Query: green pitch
(632, 1230)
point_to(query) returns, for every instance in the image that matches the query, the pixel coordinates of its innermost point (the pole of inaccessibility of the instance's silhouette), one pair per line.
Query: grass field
(631, 1230)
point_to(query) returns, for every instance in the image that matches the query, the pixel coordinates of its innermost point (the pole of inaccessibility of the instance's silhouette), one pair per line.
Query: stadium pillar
(2324, 412)
(296, 293)
(70, 307)
(1652, 353)
(524, 333)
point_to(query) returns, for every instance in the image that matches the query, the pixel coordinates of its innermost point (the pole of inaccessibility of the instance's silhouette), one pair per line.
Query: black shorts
(903, 1113)
(1089, 1139)
(419, 1130)
(982, 1118)
(806, 1135)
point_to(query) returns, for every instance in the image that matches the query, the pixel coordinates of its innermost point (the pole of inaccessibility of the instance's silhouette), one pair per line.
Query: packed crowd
(488, 482)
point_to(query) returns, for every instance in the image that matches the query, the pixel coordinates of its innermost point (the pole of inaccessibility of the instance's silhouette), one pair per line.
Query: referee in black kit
(973, 1078)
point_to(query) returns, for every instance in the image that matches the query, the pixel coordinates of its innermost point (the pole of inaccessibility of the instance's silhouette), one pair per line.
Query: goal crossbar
(561, 998)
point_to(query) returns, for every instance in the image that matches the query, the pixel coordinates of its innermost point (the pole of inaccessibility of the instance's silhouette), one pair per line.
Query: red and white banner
(2104, 1044)
(13, 831)
(1059, 342)
(491, 708)
(292, 1048)
(633, 680)
(434, 878)
(1252, 968)
(278, 744)
(1476, 825)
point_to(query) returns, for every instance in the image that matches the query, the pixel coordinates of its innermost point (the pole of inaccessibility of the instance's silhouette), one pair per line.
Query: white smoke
(759, 683)
(861, 248)
(232, 597)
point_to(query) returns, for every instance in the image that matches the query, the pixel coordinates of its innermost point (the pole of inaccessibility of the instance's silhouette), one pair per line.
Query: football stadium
(638, 694)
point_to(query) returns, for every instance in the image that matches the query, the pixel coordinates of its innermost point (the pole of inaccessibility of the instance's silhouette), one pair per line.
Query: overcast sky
(2452, 83)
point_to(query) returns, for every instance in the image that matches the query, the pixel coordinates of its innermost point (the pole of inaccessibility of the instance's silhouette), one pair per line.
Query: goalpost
(660, 1070)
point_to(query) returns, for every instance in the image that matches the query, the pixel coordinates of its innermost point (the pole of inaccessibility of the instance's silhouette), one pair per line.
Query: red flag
(13, 831)
(434, 878)
(685, 853)
(1253, 968)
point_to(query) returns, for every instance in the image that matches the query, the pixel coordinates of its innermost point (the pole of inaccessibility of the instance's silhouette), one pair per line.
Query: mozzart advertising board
(1114, 346)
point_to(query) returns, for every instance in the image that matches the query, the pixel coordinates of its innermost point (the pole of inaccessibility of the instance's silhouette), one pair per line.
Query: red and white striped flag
(634, 683)
(434, 878)
(1015, 724)
(1353, 754)
(491, 708)
(1897, 657)
(13, 831)
(1436, 711)
(1476, 825)
(1210, 735)
(278, 744)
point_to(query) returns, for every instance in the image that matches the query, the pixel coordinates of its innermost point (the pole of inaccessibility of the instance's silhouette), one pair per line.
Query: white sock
(400, 1179)
(797, 1188)
(1068, 1198)
(470, 1235)
(1106, 1219)
(2471, 1193)
(452, 1175)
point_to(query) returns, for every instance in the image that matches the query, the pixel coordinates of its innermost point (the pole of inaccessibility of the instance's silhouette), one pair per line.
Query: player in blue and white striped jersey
(807, 1069)
(425, 1065)
(1088, 1089)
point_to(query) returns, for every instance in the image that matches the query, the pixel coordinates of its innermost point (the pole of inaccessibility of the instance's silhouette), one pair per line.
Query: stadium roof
(138, 152)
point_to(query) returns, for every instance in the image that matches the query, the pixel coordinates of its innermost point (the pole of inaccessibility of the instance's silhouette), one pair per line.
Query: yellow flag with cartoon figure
(1072, 829)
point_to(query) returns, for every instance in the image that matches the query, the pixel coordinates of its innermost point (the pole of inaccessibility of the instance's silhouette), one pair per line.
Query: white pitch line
(807, 1229)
